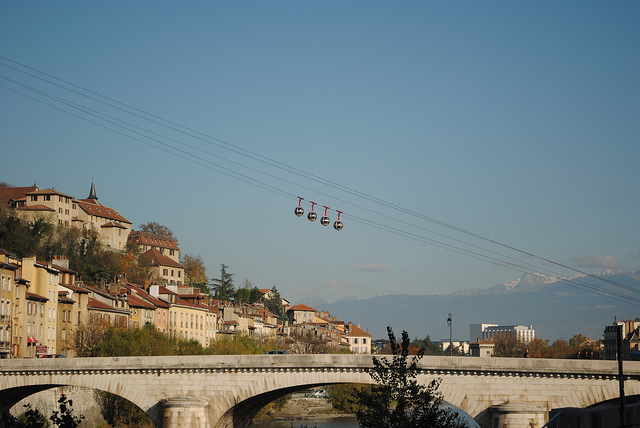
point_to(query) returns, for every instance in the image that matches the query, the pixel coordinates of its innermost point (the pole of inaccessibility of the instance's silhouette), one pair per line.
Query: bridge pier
(185, 412)
(517, 415)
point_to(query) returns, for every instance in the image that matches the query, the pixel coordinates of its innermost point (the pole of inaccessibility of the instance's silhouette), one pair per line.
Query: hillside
(554, 309)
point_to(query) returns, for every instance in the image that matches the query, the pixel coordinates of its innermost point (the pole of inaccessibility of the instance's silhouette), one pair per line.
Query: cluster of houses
(44, 307)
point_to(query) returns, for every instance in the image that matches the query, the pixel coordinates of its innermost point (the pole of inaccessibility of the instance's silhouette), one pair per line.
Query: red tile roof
(95, 208)
(37, 207)
(302, 308)
(34, 296)
(14, 193)
(358, 332)
(137, 302)
(147, 238)
(156, 258)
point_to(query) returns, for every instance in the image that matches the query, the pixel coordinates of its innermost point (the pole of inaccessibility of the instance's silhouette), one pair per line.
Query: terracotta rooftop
(302, 308)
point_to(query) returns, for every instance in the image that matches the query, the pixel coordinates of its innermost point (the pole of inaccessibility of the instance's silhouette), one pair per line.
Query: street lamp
(450, 335)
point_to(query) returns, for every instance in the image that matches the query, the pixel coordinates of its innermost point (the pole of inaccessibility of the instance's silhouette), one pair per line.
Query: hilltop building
(59, 208)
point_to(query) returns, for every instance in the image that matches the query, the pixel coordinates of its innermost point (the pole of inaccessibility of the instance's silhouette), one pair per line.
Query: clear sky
(515, 121)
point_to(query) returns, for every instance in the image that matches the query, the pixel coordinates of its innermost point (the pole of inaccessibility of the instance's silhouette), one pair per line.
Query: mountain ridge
(556, 306)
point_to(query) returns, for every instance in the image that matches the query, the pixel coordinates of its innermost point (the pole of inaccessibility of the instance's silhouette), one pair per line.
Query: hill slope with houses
(44, 303)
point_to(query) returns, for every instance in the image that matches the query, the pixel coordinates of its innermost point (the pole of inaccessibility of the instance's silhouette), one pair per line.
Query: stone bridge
(228, 390)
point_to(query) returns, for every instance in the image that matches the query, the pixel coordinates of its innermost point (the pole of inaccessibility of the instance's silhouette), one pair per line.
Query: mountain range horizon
(556, 306)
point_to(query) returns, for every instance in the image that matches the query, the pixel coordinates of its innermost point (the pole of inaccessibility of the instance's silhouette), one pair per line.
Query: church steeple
(92, 192)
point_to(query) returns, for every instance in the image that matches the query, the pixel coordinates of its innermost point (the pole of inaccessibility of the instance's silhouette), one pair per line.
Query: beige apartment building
(43, 295)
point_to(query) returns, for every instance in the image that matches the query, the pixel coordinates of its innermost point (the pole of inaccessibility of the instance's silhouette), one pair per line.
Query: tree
(133, 270)
(223, 287)
(416, 405)
(64, 416)
(274, 304)
(577, 340)
(429, 347)
(195, 273)
(508, 345)
(158, 229)
(32, 418)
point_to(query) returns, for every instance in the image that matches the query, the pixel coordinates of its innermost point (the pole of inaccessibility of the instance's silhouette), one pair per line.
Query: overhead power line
(191, 153)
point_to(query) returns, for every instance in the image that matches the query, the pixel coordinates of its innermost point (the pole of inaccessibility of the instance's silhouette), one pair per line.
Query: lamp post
(450, 335)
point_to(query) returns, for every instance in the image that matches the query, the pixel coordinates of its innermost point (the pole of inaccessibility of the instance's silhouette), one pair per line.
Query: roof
(137, 302)
(34, 296)
(147, 238)
(37, 207)
(8, 194)
(148, 297)
(156, 258)
(301, 308)
(164, 290)
(48, 192)
(95, 208)
(63, 297)
(97, 304)
(76, 288)
(113, 224)
(357, 332)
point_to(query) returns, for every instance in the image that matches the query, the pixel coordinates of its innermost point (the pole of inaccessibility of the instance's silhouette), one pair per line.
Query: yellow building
(7, 293)
(188, 321)
(43, 285)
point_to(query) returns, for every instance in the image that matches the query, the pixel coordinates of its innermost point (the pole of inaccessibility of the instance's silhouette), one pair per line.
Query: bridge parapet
(235, 387)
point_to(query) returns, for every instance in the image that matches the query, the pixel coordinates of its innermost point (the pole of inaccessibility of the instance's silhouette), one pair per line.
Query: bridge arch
(229, 389)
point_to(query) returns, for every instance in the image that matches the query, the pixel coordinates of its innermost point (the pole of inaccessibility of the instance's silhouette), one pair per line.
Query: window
(355, 340)
(47, 197)
(364, 341)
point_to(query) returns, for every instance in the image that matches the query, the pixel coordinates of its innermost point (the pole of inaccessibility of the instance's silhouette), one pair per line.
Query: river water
(339, 422)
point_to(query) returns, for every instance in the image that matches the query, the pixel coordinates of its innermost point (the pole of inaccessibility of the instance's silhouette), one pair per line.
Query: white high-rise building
(489, 331)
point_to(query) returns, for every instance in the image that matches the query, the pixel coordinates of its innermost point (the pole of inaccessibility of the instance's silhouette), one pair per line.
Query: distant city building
(490, 331)
(458, 345)
(630, 339)
(475, 331)
(482, 348)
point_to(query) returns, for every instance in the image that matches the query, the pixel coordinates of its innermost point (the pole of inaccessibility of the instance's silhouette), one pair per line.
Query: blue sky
(515, 121)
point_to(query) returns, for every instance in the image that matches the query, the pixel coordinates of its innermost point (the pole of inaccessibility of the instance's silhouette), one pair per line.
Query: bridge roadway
(228, 390)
